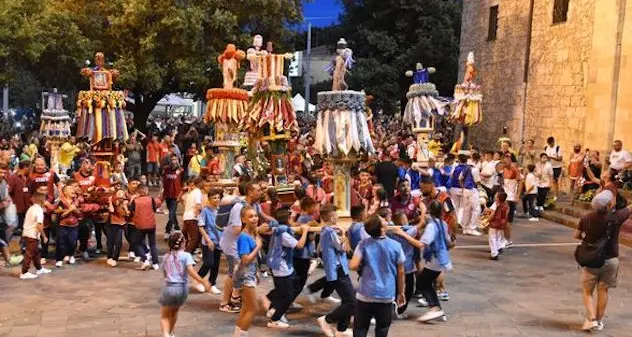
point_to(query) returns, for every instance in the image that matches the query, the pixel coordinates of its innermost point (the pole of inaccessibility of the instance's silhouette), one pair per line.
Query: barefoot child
(177, 266)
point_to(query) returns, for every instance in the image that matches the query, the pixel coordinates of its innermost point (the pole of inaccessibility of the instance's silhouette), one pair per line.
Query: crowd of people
(404, 218)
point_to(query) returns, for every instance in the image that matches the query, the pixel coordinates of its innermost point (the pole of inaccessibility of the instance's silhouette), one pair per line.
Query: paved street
(532, 291)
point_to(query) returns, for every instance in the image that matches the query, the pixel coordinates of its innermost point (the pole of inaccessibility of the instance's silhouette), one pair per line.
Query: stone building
(552, 68)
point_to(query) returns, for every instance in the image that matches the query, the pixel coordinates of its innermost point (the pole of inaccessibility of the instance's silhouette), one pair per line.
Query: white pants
(467, 207)
(496, 240)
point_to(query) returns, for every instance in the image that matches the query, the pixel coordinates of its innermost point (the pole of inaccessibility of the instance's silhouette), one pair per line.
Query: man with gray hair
(602, 222)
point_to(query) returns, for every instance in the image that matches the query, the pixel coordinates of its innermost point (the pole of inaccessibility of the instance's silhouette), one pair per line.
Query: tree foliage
(159, 46)
(389, 37)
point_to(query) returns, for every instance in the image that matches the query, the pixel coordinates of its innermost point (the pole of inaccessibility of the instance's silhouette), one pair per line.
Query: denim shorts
(244, 278)
(153, 168)
(174, 294)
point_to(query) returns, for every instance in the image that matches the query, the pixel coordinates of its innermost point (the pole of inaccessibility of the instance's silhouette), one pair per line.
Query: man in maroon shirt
(172, 186)
(19, 192)
(405, 202)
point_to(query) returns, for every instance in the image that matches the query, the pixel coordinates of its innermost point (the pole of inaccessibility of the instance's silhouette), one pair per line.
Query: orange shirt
(164, 150)
(152, 152)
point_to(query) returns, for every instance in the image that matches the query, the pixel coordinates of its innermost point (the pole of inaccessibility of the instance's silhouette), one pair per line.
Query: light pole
(308, 56)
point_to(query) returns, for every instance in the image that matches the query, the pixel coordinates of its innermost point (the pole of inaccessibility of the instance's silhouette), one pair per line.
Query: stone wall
(556, 100)
(577, 89)
(500, 64)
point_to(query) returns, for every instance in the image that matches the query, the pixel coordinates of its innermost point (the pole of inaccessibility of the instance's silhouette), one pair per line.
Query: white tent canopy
(298, 102)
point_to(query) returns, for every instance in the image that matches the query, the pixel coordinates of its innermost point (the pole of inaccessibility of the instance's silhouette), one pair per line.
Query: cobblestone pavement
(532, 291)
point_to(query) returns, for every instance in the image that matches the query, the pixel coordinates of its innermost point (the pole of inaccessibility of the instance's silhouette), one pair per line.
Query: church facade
(559, 68)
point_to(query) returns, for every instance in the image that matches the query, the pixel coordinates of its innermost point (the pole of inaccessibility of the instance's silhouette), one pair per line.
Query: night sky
(322, 13)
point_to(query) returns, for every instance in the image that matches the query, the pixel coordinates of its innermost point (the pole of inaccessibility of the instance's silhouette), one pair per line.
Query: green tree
(389, 37)
(158, 46)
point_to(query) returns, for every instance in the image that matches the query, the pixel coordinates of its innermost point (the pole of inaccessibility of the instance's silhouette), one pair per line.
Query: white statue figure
(339, 66)
(421, 74)
(251, 54)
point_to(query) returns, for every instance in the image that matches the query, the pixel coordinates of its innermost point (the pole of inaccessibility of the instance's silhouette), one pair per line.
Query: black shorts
(557, 172)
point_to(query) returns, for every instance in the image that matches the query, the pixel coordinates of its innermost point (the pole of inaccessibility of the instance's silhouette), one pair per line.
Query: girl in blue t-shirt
(177, 266)
(245, 278)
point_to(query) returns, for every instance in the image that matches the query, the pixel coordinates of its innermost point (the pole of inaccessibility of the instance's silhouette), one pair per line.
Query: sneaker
(443, 295)
(599, 326)
(431, 315)
(418, 295)
(85, 256)
(229, 308)
(155, 266)
(313, 264)
(166, 236)
(422, 303)
(347, 332)
(199, 287)
(534, 219)
(131, 256)
(589, 325)
(296, 306)
(59, 264)
(265, 274)
(312, 297)
(145, 266)
(325, 327)
(215, 291)
(472, 232)
(331, 299)
(43, 261)
(72, 260)
(109, 262)
(137, 259)
(28, 276)
(43, 271)
(278, 325)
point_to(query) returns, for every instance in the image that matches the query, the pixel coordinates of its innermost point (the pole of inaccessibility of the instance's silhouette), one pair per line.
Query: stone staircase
(568, 214)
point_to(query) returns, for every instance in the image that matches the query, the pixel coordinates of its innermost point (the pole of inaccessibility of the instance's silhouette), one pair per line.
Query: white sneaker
(422, 302)
(43, 271)
(278, 325)
(155, 266)
(472, 232)
(590, 325)
(599, 326)
(109, 262)
(265, 274)
(431, 315)
(28, 276)
(331, 299)
(347, 332)
(533, 219)
(313, 264)
(215, 291)
(137, 259)
(325, 327)
(72, 260)
(59, 264)
(43, 261)
(296, 306)
(131, 256)
(199, 287)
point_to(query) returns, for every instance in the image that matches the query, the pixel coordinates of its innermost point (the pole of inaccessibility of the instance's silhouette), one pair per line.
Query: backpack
(592, 255)
(223, 213)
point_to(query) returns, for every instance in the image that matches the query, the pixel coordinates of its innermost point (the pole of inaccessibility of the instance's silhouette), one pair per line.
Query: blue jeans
(172, 206)
(66, 241)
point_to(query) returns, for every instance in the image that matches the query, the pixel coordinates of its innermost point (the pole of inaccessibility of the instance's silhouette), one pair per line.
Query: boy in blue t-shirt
(280, 261)
(334, 255)
(356, 231)
(210, 234)
(382, 280)
(410, 252)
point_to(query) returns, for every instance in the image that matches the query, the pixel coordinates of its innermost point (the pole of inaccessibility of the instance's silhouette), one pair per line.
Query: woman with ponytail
(177, 266)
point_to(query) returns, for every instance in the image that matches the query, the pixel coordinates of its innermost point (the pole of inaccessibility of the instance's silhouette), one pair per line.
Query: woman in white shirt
(544, 173)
